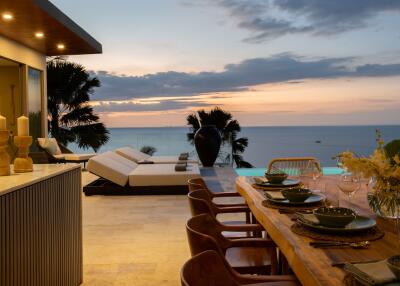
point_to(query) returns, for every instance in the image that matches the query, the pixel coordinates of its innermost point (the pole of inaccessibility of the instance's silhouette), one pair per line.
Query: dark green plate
(313, 199)
(359, 224)
(285, 184)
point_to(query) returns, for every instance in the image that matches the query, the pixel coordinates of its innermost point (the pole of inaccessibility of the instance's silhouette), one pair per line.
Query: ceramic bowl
(394, 265)
(276, 178)
(296, 195)
(334, 216)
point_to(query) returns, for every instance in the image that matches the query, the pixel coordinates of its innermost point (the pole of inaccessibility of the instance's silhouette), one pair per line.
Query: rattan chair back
(293, 166)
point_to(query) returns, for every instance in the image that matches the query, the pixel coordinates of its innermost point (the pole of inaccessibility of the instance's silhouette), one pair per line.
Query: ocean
(265, 143)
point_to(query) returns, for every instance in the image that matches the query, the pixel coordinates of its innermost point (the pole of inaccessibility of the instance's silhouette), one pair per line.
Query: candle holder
(4, 157)
(23, 163)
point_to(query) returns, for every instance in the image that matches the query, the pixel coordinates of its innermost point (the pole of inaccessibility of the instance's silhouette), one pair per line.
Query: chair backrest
(207, 268)
(204, 233)
(194, 187)
(199, 202)
(198, 182)
(293, 166)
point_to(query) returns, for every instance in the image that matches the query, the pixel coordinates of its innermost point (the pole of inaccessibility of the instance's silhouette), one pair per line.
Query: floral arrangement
(383, 168)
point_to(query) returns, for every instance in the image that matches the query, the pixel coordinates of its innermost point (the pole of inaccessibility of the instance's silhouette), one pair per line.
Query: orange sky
(311, 102)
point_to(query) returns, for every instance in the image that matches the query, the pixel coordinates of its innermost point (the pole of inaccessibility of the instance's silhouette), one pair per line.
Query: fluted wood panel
(41, 233)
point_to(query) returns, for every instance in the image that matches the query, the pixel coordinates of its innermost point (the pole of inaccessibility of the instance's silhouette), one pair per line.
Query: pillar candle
(23, 126)
(3, 125)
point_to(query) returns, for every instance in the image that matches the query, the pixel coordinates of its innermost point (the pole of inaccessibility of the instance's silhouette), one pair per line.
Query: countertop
(40, 172)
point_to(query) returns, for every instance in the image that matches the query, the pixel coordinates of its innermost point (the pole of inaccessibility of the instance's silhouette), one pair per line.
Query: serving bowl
(394, 265)
(276, 178)
(296, 195)
(334, 216)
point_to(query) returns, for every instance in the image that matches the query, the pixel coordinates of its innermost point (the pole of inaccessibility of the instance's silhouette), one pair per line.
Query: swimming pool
(253, 172)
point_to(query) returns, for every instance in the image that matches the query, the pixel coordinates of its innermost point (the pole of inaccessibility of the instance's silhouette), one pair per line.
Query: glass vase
(384, 200)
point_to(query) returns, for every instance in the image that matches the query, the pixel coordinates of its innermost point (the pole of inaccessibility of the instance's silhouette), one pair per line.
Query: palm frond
(91, 135)
(69, 87)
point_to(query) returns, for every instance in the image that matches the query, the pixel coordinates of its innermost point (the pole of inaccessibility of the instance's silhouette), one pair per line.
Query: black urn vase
(207, 141)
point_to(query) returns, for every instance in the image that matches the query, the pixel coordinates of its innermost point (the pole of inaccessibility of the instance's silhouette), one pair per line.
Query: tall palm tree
(71, 118)
(229, 129)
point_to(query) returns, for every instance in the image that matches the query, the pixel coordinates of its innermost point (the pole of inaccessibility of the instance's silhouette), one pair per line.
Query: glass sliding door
(11, 100)
(34, 98)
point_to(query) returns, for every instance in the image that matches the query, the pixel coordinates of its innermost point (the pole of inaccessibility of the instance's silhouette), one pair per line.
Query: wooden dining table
(313, 266)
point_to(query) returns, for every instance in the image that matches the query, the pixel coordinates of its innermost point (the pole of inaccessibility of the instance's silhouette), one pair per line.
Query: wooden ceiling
(32, 16)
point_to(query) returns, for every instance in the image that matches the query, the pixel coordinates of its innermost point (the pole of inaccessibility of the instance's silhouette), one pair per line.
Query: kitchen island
(41, 226)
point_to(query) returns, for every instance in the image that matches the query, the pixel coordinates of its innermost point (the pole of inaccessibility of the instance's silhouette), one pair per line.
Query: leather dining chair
(245, 255)
(199, 183)
(200, 202)
(210, 268)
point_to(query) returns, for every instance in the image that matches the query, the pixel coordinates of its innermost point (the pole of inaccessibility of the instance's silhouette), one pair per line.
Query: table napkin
(276, 195)
(146, 162)
(374, 273)
(180, 167)
(183, 156)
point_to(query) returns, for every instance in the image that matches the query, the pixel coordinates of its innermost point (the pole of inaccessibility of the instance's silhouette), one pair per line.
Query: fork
(326, 244)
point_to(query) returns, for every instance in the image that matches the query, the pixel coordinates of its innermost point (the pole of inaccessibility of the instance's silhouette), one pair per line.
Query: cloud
(235, 77)
(133, 106)
(275, 18)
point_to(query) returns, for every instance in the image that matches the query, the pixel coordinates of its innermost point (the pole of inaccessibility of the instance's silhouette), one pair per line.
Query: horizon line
(251, 126)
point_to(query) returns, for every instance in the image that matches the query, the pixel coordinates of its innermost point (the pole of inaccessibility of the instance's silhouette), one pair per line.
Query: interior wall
(10, 76)
(12, 50)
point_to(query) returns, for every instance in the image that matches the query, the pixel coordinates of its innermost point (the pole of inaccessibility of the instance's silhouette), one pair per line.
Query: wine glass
(340, 165)
(331, 190)
(316, 172)
(310, 174)
(305, 176)
(349, 184)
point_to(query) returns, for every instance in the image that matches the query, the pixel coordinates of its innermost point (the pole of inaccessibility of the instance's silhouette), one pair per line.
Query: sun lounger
(142, 158)
(57, 153)
(123, 176)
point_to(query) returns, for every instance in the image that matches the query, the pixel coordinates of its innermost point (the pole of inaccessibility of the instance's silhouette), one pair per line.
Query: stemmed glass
(311, 173)
(340, 164)
(349, 184)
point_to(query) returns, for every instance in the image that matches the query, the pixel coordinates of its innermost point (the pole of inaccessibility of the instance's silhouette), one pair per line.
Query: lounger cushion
(78, 157)
(59, 157)
(112, 167)
(162, 175)
(140, 157)
(167, 160)
(132, 154)
(50, 145)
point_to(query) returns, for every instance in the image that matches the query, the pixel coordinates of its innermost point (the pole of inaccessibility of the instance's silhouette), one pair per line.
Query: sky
(268, 62)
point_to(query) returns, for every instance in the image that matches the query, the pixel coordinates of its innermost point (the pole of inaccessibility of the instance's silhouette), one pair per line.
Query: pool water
(254, 172)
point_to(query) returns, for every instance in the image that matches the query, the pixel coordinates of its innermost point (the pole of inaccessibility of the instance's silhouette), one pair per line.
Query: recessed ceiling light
(7, 16)
(39, 35)
(61, 46)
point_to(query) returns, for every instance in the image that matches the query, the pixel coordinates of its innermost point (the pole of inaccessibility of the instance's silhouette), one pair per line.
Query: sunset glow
(160, 66)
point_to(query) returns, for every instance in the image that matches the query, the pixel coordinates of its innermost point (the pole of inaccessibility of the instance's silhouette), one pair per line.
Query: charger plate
(285, 184)
(360, 223)
(312, 200)
(370, 234)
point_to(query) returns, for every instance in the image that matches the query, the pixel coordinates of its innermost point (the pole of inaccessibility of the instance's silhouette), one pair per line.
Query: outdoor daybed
(119, 175)
(142, 158)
